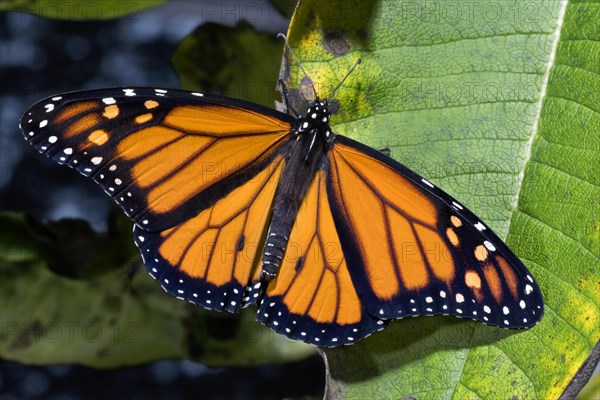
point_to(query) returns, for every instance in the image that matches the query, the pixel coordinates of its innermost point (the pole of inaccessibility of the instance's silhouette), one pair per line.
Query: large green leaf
(497, 103)
(117, 314)
(80, 10)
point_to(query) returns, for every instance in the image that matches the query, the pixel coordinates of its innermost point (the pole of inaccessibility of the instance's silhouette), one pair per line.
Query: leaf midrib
(535, 127)
(534, 133)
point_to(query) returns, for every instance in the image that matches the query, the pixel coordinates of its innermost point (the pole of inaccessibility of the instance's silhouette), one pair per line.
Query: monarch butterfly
(235, 204)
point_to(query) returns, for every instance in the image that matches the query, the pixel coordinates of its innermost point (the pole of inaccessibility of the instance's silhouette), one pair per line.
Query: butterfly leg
(286, 99)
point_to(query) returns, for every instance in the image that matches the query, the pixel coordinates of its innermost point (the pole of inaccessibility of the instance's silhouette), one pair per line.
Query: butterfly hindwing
(414, 250)
(211, 259)
(313, 298)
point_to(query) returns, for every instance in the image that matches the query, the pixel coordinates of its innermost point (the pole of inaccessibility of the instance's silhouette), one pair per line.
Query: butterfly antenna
(281, 35)
(347, 75)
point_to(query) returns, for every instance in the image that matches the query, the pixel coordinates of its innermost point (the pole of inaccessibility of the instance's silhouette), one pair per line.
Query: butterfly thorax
(304, 157)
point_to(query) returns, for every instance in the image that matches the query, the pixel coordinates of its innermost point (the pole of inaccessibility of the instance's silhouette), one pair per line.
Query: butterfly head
(318, 110)
(316, 119)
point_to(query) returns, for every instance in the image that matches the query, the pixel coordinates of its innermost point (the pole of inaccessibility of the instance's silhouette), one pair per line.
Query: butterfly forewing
(157, 152)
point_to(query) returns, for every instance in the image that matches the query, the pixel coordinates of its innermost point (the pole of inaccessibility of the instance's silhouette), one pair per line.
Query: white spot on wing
(109, 100)
(425, 181)
(480, 227)
(489, 246)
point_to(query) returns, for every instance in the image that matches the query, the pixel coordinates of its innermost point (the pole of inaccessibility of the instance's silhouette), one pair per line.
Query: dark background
(41, 57)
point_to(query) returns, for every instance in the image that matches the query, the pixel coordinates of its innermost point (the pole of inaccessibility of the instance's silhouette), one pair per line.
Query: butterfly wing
(189, 169)
(412, 249)
(313, 298)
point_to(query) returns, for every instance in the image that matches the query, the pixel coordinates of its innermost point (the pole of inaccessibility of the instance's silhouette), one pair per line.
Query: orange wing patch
(205, 167)
(74, 110)
(81, 125)
(222, 121)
